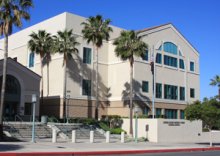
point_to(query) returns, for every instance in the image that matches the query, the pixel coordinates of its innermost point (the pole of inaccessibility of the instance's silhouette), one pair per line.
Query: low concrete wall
(172, 130)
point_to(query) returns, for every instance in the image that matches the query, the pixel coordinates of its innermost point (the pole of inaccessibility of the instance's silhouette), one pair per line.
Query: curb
(110, 152)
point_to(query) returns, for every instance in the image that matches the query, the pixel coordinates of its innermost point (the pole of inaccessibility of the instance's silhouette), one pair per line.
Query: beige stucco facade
(113, 73)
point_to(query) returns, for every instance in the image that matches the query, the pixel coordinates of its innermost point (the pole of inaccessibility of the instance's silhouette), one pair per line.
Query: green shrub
(53, 119)
(142, 116)
(114, 121)
(116, 131)
(105, 127)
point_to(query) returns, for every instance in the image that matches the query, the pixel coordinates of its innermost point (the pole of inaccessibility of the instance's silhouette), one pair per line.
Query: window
(158, 58)
(86, 87)
(192, 66)
(170, 92)
(192, 92)
(144, 86)
(158, 112)
(171, 113)
(181, 64)
(182, 93)
(170, 48)
(145, 56)
(87, 52)
(182, 114)
(31, 59)
(158, 90)
(170, 61)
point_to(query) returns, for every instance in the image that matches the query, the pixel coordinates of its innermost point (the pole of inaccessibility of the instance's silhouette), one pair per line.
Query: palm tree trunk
(131, 97)
(42, 82)
(3, 85)
(64, 90)
(48, 81)
(97, 85)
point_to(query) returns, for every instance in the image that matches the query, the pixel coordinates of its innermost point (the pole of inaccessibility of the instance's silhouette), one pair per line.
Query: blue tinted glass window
(182, 114)
(170, 48)
(158, 90)
(87, 53)
(158, 58)
(192, 92)
(144, 86)
(171, 113)
(170, 92)
(158, 112)
(192, 66)
(86, 87)
(170, 61)
(31, 59)
(181, 64)
(145, 56)
(182, 93)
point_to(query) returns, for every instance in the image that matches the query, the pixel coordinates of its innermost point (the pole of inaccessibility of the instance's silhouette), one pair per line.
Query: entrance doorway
(12, 97)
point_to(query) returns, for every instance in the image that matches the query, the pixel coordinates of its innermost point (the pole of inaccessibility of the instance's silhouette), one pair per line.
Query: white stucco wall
(172, 130)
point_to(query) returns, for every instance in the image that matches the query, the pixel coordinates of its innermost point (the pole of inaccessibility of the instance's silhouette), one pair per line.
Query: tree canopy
(208, 111)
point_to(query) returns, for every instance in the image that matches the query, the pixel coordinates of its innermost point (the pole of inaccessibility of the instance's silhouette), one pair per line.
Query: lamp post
(136, 110)
(34, 100)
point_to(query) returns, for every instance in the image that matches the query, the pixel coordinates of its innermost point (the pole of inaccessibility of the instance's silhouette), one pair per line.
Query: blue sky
(197, 20)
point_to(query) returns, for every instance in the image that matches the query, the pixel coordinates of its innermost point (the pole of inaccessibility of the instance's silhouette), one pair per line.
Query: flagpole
(153, 97)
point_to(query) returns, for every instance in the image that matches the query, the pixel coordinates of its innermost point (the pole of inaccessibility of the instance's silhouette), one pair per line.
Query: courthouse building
(177, 75)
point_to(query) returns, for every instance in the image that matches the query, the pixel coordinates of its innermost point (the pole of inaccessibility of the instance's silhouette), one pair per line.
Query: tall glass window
(86, 87)
(159, 58)
(182, 114)
(182, 93)
(170, 92)
(158, 112)
(158, 90)
(192, 92)
(170, 61)
(181, 64)
(31, 59)
(192, 66)
(145, 56)
(144, 86)
(87, 55)
(171, 113)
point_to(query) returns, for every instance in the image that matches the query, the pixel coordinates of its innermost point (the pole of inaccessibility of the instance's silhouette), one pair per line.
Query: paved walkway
(45, 145)
(99, 147)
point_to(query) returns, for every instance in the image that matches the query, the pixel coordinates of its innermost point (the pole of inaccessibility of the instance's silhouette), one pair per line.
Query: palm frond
(96, 29)
(128, 45)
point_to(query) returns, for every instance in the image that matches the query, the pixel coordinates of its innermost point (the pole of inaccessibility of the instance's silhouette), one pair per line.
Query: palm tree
(65, 43)
(95, 30)
(41, 43)
(128, 45)
(216, 82)
(11, 14)
(47, 60)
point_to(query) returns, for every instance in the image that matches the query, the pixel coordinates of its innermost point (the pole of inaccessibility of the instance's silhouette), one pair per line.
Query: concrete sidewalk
(99, 147)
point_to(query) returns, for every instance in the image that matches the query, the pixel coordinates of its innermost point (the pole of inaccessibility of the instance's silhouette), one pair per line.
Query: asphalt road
(202, 153)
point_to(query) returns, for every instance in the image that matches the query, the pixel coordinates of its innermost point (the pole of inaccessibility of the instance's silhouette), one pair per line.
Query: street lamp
(34, 100)
(136, 110)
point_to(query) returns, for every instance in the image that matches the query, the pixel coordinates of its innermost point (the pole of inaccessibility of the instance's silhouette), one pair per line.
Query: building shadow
(139, 99)
(77, 71)
(9, 147)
